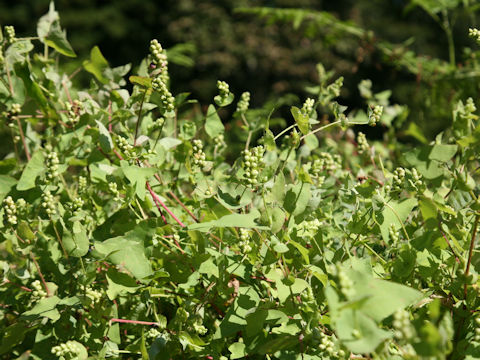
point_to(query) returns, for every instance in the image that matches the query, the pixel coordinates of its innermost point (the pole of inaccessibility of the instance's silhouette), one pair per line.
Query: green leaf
(396, 213)
(213, 124)
(301, 120)
(13, 335)
(232, 220)
(105, 139)
(278, 219)
(6, 184)
(297, 198)
(34, 168)
(45, 307)
(97, 65)
(57, 39)
(208, 267)
(120, 284)
(141, 80)
(76, 242)
(222, 102)
(16, 51)
(238, 350)
(22, 70)
(127, 253)
(137, 176)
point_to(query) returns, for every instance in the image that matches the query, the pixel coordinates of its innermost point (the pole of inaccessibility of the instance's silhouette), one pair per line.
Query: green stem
(470, 252)
(139, 119)
(284, 131)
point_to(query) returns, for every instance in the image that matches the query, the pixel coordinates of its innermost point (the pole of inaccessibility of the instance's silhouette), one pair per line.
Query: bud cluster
(70, 347)
(416, 181)
(398, 178)
(374, 114)
(153, 333)
(327, 346)
(11, 210)
(48, 203)
(158, 54)
(198, 154)
(9, 34)
(82, 184)
(346, 284)
(168, 101)
(477, 329)
(393, 233)
(253, 164)
(244, 102)
(199, 328)
(362, 143)
(156, 125)
(308, 228)
(307, 107)
(223, 89)
(94, 295)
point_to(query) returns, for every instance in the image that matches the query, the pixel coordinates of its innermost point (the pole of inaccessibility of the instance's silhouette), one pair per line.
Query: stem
(22, 136)
(157, 199)
(139, 119)
(448, 32)
(320, 129)
(40, 274)
(470, 252)
(182, 205)
(59, 238)
(126, 321)
(284, 131)
(399, 220)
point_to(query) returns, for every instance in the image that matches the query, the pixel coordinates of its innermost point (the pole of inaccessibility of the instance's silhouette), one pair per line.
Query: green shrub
(138, 224)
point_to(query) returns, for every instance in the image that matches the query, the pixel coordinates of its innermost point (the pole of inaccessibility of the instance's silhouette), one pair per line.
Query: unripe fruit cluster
(38, 291)
(51, 162)
(94, 295)
(326, 163)
(474, 33)
(223, 89)
(114, 190)
(198, 154)
(9, 34)
(73, 111)
(168, 101)
(11, 210)
(402, 325)
(253, 164)
(125, 147)
(374, 115)
(346, 284)
(477, 329)
(244, 243)
(399, 178)
(393, 233)
(48, 203)
(153, 333)
(157, 124)
(159, 56)
(327, 345)
(82, 184)
(70, 347)
(199, 328)
(416, 180)
(363, 146)
(244, 102)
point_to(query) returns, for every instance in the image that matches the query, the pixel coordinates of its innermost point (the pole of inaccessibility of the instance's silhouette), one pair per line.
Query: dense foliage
(138, 224)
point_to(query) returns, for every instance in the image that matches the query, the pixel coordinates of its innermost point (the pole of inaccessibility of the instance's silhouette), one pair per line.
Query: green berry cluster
(308, 228)
(9, 34)
(74, 110)
(244, 243)
(415, 180)
(153, 333)
(346, 284)
(198, 154)
(307, 107)
(92, 294)
(402, 325)
(168, 101)
(362, 144)
(82, 184)
(244, 102)
(38, 291)
(158, 54)
(477, 329)
(157, 124)
(76, 204)
(48, 203)
(326, 163)
(114, 190)
(374, 114)
(199, 328)
(68, 348)
(327, 346)
(474, 33)
(51, 162)
(125, 147)
(393, 233)
(11, 210)
(253, 164)
(398, 178)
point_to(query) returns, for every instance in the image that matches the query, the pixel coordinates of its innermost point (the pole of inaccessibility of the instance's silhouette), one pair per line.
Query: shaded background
(269, 60)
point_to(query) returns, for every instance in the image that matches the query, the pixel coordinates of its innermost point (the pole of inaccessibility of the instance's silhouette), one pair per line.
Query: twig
(40, 274)
(156, 198)
(22, 136)
(470, 252)
(138, 322)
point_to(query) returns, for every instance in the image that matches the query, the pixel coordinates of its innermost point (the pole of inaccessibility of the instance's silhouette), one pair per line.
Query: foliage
(137, 225)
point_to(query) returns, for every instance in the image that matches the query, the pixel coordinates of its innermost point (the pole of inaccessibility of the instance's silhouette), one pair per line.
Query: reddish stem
(157, 199)
(40, 274)
(126, 321)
